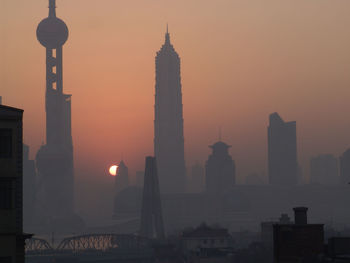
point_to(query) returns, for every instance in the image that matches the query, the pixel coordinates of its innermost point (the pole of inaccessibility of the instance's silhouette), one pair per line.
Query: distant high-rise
(55, 159)
(345, 167)
(220, 170)
(168, 122)
(122, 177)
(282, 151)
(324, 170)
(152, 225)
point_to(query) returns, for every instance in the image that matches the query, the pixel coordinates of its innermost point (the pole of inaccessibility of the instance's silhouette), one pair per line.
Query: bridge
(91, 248)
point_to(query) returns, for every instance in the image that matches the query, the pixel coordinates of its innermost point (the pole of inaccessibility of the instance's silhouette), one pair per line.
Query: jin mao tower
(168, 122)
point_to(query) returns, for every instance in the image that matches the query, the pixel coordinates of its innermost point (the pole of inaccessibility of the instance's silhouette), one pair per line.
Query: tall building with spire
(55, 159)
(168, 122)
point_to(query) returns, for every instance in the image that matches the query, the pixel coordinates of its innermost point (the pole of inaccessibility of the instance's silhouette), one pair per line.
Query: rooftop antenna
(52, 8)
(219, 133)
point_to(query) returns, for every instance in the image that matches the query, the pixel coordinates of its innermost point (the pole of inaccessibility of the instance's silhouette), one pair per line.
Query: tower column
(55, 159)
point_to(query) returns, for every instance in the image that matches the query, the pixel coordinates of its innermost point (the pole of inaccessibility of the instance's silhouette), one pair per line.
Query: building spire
(52, 8)
(167, 35)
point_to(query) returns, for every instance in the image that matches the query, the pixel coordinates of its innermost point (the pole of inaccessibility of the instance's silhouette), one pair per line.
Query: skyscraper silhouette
(282, 151)
(122, 177)
(151, 213)
(55, 159)
(168, 123)
(220, 170)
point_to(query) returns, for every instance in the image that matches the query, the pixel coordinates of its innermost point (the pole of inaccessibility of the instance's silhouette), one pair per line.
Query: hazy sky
(241, 61)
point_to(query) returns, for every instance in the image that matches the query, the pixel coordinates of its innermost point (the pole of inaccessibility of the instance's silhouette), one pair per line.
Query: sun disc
(113, 170)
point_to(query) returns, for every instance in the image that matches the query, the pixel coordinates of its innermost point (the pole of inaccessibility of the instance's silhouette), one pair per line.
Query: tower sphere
(52, 32)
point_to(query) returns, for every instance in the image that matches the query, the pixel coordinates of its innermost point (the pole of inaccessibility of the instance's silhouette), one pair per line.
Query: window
(6, 194)
(5, 143)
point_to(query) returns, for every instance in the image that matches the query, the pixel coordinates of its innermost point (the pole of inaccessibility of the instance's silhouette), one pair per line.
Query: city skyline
(226, 96)
(238, 108)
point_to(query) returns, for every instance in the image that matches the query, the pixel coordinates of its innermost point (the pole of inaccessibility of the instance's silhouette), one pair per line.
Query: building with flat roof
(298, 242)
(12, 238)
(282, 151)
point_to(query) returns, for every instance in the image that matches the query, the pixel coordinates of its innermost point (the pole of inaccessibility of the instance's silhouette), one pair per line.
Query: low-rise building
(205, 242)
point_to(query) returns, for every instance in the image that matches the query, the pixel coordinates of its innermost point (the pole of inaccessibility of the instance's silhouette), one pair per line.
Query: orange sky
(241, 61)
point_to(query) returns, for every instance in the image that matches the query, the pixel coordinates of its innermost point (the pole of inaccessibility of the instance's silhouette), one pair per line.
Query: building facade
(168, 121)
(54, 160)
(207, 244)
(11, 190)
(220, 170)
(282, 151)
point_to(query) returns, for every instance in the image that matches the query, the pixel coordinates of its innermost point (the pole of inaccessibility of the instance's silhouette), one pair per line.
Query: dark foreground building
(168, 121)
(11, 179)
(55, 159)
(282, 151)
(298, 242)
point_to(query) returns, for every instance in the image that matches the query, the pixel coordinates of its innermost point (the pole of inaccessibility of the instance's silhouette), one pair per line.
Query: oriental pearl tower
(54, 160)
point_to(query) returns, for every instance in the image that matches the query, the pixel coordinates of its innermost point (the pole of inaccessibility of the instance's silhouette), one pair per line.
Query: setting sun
(113, 170)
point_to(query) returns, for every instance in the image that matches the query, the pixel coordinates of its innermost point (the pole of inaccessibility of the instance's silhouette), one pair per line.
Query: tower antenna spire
(52, 8)
(219, 133)
(167, 36)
